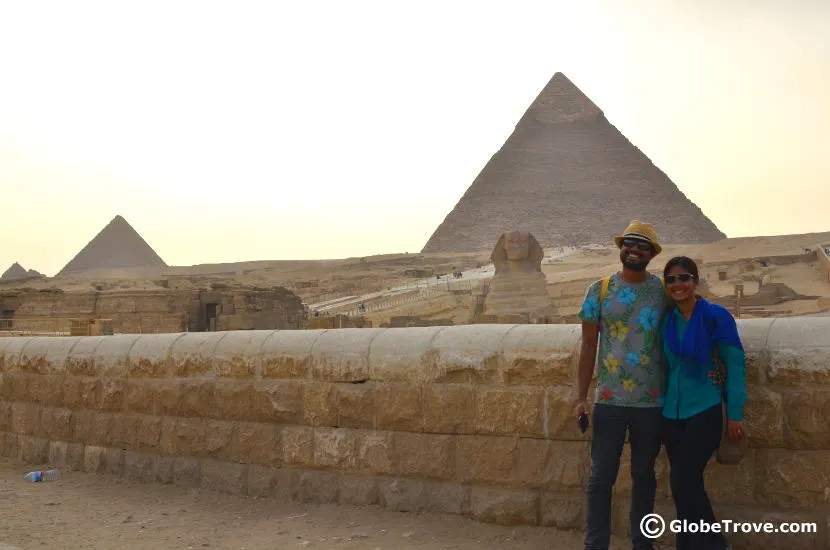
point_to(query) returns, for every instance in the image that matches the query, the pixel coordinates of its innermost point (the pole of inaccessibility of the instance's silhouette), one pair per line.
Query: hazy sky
(242, 131)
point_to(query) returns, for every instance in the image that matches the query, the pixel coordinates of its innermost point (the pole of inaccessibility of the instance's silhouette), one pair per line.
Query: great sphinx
(518, 286)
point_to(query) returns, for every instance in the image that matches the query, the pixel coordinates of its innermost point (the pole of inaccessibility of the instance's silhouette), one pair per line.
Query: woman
(694, 332)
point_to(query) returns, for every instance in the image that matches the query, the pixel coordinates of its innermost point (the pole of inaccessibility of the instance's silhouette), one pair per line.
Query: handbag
(729, 452)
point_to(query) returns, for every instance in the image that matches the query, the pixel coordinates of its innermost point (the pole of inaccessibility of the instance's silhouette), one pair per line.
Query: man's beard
(638, 265)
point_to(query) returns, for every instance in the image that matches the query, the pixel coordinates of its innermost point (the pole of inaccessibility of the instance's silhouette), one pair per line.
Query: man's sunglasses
(683, 278)
(632, 243)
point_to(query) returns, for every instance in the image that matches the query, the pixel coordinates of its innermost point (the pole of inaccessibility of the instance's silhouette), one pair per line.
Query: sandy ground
(98, 511)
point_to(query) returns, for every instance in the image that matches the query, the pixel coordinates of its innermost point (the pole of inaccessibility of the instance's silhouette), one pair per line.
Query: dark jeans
(690, 443)
(611, 424)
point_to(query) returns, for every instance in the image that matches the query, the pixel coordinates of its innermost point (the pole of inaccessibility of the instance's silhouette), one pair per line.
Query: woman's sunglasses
(683, 278)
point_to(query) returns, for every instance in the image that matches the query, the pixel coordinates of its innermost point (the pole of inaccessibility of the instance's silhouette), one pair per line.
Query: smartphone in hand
(583, 422)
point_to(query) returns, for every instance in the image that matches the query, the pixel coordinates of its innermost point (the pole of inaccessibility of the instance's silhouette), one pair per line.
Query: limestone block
(25, 419)
(552, 465)
(753, 334)
(90, 392)
(342, 355)
(287, 353)
(139, 395)
(486, 459)
(449, 408)
(562, 511)
(356, 405)
(5, 416)
(402, 495)
(56, 423)
(112, 395)
(504, 507)
(33, 450)
(467, 354)
(541, 355)
(187, 471)
(376, 452)
(57, 454)
(263, 482)
(764, 416)
(358, 490)
(4, 343)
(805, 418)
(75, 456)
(279, 401)
(297, 445)
(114, 461)
(183, 437)
(147, 356)
(10, 444)
(238, 354)
(558, 409)
(732, 483)
(16, 386)
(46, 355)
(425, 455)
(140, 467)
(799, 351)
(221, 441)
(794, 479)
(94, 459)
(397, 356)
(81, 358)
(46, 389)
(259, 443)
(94, 428)
(12, 353)
(193, 354)
(448, 498)
(399, 407)
(234, 400)
(142, 432)
(314, 486)
(319, 404)
(510, 411)
(225, 477)
(335, 448)
(164, 469)
(184, 397)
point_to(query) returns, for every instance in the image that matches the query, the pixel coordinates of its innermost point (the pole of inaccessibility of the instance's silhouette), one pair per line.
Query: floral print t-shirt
(630, 364)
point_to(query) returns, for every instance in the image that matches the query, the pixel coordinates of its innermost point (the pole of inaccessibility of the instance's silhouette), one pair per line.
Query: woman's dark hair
(682, 261)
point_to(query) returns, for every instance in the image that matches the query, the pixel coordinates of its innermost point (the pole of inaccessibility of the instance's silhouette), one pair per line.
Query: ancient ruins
(560, 175)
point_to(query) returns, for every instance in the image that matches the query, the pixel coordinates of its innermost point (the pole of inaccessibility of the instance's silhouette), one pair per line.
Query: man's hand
(582, 408)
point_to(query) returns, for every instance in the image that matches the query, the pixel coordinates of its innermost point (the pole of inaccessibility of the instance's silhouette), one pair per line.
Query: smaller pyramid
(117, 246)
(16, 271)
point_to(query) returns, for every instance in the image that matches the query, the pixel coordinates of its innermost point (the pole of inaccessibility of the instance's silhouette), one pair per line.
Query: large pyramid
(117, 246)
(569, 177)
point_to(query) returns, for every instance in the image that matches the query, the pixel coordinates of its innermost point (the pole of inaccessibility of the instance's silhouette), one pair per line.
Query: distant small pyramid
(117, 246)
(568, 176)
(16, 271)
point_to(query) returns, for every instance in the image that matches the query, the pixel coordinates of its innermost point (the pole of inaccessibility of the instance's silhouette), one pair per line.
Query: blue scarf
(709, 325)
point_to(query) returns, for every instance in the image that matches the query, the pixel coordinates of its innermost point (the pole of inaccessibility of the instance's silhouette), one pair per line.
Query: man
(625, 322)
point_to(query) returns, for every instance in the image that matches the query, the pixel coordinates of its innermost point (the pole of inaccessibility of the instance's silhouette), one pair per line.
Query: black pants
(611, 424)
(690, 444)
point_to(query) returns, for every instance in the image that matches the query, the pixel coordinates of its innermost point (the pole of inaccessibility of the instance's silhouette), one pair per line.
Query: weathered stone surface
(764, 416)
(376, 452)
(486, 459)
(297, 445)
(732, 483)
(146, 355)
(560, 422)
(12, 354)
(195, 353)
(262, 481)
(140, 467)
(287, 354)
(505, 507)
(405, 360)
(358, 490)
(552, 465)
(234, 400)
(183, 437)
(342, 355)
(562, 511)
(237, 355)
(541, 355)
(34, 450)
(81, 358)
(187, 397)
(46, 355)
(426, 456)
(510, 412)
(55, 424)
(25, 419)
(399, 407)
(279, 401)
(187, 471)
(335, 448)
(259, 443)
(356, 405)
(142, 432)
(139, 395)
(221, 442)
(805, 418)
(794, 479)
(402, 495)
(314, 486)
(225, 477)
(449, 408)
(94, 459)
(320, 404)
(467, 354)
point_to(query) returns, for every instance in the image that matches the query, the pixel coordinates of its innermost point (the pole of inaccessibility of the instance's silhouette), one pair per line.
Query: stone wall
(824, 262)
(472, 420)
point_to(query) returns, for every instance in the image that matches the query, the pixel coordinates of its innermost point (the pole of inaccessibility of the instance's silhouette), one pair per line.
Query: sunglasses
(683, 278)
(632, 243)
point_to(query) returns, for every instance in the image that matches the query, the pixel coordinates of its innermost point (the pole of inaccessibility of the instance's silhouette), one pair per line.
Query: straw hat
(641, 231)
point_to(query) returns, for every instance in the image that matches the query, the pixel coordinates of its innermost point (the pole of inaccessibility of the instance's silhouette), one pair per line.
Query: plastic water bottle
(42, 475)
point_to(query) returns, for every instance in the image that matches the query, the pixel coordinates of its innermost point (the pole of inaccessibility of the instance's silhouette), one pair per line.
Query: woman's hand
(735, 429)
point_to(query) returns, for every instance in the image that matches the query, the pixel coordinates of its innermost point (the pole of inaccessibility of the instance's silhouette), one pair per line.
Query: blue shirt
(686, 397)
